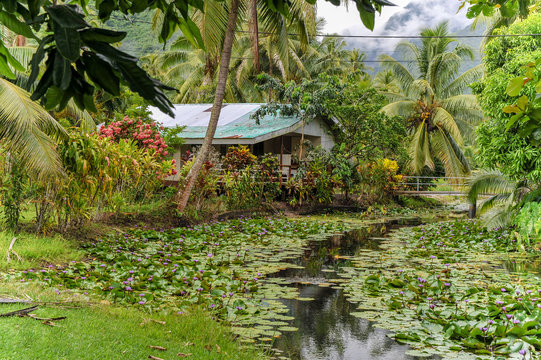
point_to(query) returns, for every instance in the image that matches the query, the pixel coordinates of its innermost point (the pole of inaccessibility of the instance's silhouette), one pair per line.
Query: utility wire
(405, 36)
(368, 36)
(362, 61)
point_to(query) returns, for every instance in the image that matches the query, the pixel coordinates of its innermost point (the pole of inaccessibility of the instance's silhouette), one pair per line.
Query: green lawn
(36, 250)
(107, 332)
(100, 331)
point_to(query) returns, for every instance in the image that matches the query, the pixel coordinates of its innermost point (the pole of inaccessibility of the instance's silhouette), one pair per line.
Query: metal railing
(451, 184)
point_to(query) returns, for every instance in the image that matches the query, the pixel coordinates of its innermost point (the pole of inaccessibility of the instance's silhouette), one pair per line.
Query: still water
(326, 330)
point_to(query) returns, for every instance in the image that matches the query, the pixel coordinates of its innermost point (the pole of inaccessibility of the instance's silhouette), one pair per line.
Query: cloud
(408, 18)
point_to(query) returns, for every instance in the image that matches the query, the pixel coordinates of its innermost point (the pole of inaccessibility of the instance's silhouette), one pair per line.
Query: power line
(363, 61)
(401, 36)
(368, 36)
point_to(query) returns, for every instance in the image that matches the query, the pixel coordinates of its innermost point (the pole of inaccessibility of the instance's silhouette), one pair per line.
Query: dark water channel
(327, 331)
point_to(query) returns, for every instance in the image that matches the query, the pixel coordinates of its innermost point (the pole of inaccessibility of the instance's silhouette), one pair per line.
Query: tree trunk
(184, 194)
(302, 142)
(269, 53)
(255, 29)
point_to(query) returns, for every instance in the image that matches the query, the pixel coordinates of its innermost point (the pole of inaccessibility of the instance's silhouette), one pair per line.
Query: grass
(106, 332)
(35, 250)
(102, 331)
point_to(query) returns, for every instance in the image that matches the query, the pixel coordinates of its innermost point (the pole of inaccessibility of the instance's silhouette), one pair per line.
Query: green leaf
(53, 97)
(538, 87)
(37, 59)
(45, 82)
(101, 73)
(66, 16)
(512, 121)
(368, 18)
(11, 22)
(522, 102)
(102, 35)
(5, 70)
(68, 42)
(515, 86)
(511, 109)
(139, 5)
(61, 72)
(10, 59)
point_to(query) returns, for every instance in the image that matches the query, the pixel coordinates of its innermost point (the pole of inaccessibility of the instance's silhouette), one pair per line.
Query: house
(279, 135)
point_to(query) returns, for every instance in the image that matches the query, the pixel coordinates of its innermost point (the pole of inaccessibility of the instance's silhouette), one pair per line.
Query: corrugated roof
(234, 123)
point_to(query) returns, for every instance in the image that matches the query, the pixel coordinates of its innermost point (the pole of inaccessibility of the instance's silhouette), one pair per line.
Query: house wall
(316, 131)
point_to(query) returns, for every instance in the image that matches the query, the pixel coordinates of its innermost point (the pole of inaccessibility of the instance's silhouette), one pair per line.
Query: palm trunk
(302, 142)
(184, 194)
(269, 53)
(255, 29)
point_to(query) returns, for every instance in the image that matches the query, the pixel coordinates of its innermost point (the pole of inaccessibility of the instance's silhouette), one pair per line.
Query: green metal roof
(234, 123)
(243, 128)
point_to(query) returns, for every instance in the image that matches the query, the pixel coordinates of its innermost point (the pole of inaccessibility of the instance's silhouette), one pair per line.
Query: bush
(100, 175)
(313, 181)
(145, 135)
(238, 158)
(528, 223)
(250, 182)
(500, 147)
(379, 180)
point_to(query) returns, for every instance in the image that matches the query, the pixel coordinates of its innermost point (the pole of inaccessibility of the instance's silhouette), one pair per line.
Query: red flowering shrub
(145, 135)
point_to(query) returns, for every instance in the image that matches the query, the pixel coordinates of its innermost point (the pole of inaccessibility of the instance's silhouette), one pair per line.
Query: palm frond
(489, 182)
(449, 153)
(86, 121)
(419, 150)
(402, 75)
(446, 121)
(400, 108)
(29, 131)
(462, 82)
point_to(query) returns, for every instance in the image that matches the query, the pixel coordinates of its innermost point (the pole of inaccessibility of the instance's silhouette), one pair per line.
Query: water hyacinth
(187, 266)
(478, 310)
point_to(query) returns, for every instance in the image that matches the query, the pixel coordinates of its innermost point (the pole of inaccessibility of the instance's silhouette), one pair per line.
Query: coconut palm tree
(386, 81)
(194, 71)
(27, 131)
(433, 99)
(506, 196)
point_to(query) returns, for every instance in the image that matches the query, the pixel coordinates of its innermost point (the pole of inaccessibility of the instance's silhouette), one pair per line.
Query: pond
(326, 328)
(450, 289)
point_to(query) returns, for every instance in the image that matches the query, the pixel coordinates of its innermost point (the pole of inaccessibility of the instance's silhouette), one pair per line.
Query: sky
(407, 18)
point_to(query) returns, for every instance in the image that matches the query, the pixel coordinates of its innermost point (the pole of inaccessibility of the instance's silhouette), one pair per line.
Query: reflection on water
(520, 266)
(326, 330)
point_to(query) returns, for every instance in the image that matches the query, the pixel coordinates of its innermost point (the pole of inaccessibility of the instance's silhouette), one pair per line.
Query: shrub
(313, 181)
(13, 189)
(379, 180)
(145, 135)
(254, 184)
(238, 158)
(528, 223)
(100, 175)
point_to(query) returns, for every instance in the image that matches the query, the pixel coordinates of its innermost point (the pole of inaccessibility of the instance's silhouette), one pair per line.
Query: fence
(452, 185)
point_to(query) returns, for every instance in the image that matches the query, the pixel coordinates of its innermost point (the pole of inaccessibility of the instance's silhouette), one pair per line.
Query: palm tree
(506, 196)
(432, 98)
(27, 131)
(194, 71)
(386, 82)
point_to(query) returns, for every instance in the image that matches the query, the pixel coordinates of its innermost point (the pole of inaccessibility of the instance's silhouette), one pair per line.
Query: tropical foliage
(507, 139)
(432, 97)
(219, 267)
(361, 129)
